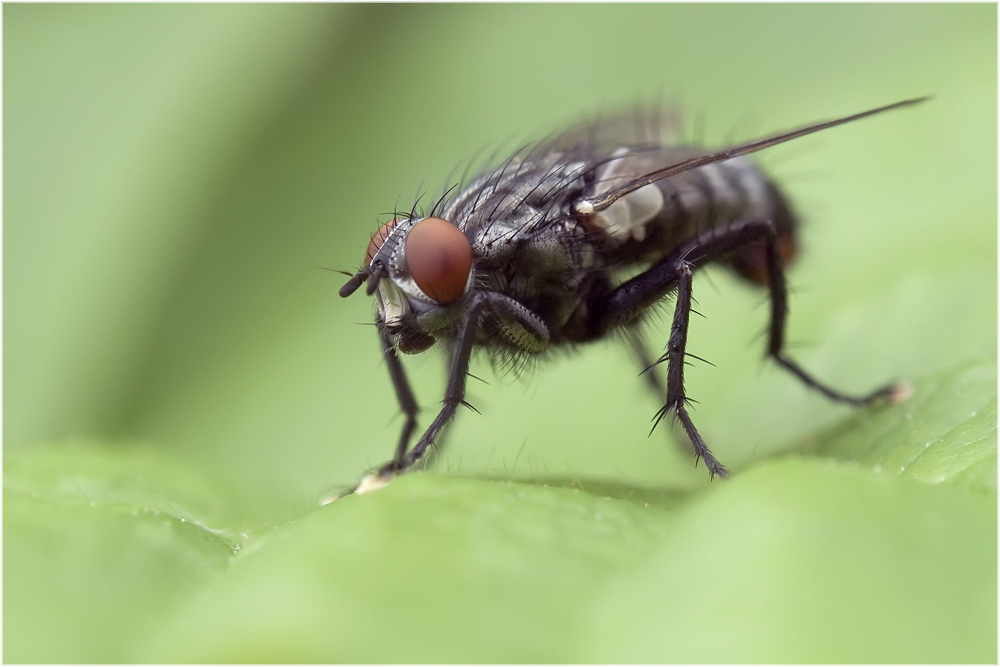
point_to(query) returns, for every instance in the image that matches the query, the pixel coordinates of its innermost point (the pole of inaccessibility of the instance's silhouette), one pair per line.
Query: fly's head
(420, 270)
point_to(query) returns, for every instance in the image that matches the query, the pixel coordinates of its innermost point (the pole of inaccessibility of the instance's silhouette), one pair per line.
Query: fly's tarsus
(551, 231)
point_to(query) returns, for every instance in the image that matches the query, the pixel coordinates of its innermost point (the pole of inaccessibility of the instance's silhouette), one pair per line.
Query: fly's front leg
(404, 395)
(407, 402)
(431, 457)
(455, 392)
(453, 397)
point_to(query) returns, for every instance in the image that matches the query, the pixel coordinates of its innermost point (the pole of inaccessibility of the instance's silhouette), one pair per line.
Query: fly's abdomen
(652, 221)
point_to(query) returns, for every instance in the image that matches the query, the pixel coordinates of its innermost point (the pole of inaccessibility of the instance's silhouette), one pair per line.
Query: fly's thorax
(425, 274)
(496, 241)
(542, 268)
(530, 242)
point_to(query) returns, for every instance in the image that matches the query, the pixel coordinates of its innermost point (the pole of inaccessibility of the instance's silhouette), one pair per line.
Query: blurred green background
(176, 175)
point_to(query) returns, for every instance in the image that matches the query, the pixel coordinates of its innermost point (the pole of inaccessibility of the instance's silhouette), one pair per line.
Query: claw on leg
(374, 482)
(898, 392)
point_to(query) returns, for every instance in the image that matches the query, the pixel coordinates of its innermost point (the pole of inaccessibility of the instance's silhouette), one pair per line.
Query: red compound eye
(378, 239)
(440, 259)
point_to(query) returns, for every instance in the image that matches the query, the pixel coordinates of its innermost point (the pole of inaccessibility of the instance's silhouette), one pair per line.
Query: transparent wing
(611, 195)
(653, 125)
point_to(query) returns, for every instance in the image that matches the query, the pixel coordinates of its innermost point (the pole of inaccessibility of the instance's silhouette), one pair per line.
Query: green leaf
(99, 540)
(449, 569)
(947, 432)
(177, 174)
(801, 562)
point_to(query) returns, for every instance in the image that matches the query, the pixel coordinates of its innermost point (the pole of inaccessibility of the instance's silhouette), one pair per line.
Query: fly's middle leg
(647, 362)
(677, 400)
(649, 365)
(674, 272)
(626, 303)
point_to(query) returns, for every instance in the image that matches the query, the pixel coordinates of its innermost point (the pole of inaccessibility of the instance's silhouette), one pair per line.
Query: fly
(529, 256)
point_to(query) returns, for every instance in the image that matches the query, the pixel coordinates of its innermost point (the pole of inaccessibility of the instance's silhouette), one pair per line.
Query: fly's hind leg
(894, 392)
